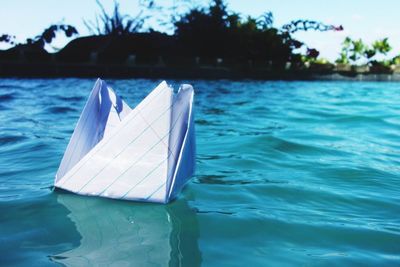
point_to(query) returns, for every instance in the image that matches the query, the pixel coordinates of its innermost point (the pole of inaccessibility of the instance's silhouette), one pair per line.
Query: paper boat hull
(143, 154)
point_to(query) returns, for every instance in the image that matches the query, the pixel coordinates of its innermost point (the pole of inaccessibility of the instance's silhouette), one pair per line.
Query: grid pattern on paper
(77, 182)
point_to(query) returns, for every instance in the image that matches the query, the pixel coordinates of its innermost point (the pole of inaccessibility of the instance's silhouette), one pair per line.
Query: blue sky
(366, 19)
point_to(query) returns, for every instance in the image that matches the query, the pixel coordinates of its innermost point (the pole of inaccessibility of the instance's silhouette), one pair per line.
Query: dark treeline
(203, 36)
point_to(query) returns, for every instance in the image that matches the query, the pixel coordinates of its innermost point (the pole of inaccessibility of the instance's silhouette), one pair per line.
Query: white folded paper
(144, 154)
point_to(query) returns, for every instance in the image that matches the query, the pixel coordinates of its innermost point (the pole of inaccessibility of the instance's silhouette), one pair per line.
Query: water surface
(288, 174)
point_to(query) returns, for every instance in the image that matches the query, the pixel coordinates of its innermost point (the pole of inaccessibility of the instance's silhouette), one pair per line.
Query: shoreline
(92, 70)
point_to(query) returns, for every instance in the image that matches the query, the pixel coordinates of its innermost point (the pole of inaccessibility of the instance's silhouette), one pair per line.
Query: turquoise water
(288, 174)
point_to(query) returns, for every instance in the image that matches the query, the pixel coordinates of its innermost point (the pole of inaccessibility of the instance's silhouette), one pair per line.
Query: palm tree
(357, 50)
(382, 46)
(344, 54)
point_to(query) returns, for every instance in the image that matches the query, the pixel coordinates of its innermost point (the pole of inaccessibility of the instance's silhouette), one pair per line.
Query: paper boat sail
(143, 154)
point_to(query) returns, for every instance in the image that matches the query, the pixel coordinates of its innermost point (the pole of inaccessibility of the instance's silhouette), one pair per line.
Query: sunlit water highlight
(288, 174)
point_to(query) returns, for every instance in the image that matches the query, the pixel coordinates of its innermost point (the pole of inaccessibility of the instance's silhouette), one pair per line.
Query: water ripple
(288, 174)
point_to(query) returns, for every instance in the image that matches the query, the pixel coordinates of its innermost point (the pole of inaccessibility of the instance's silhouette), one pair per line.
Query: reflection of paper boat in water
(146, 153)
(126, 234)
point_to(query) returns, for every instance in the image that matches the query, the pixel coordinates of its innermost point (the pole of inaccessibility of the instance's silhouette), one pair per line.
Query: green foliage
(396, 60)
(378, 47)
(357, 50)
(382, 46)
(345, 52)
(354, 51)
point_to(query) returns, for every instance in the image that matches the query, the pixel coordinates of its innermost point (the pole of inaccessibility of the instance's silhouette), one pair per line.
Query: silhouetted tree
(214, 32)
(118, 23)
(45, 38)
(305, 25)
(7, 38)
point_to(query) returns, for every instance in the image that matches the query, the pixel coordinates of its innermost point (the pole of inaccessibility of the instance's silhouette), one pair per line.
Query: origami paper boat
(144, 154)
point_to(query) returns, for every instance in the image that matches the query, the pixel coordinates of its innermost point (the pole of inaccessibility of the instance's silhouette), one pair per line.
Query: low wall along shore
(55, 69)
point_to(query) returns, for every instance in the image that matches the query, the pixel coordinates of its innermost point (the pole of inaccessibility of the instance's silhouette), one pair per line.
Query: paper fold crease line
(143, 154)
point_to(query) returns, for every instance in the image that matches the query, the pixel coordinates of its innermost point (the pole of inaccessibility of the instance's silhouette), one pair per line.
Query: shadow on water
(123, 233)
